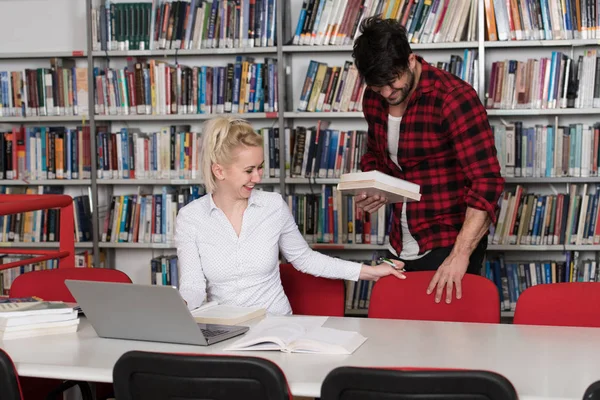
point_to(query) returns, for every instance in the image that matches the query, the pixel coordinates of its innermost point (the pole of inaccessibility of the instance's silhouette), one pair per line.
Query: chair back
(394, 298)
(592, 392)
(50, 284)
(312, 295)
(141, 375)
(560, 304)
(354, 383)
(9, 380)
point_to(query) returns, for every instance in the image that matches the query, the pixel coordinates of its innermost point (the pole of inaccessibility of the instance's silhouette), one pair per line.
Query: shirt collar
(255, 199)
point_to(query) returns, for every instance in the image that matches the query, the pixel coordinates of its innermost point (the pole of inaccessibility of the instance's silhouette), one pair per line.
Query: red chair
(143, 375)
(9, 380)
(394, 298)
(354, 383)
(560, 304)
(50, 284)
(311, 295)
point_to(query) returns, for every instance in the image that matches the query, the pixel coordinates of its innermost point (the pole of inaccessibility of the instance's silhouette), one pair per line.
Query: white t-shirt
(410, 247)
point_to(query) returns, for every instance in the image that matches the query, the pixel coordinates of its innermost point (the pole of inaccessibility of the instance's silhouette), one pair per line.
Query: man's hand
(374, 272)
(448, 275)
(369, 203)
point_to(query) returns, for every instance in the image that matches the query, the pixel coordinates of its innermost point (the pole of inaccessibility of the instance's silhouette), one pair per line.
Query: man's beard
(404, 91)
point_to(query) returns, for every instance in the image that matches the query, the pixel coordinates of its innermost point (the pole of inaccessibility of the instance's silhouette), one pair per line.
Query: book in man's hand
(298, 335)
(377, 183)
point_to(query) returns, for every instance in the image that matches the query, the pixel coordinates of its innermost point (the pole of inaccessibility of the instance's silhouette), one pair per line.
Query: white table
(541, 362)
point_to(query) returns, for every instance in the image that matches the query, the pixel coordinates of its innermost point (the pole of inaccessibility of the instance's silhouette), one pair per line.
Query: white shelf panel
(582, 247)
(507, 314)
(562, 179)
(44, 54)
(317, 181)
(522, 247)
(182, 117)
(161, 246)
(348, 48)
(37, 120)
(184, 53)
(322, 115)
(542, 43)
(44, 245)
(47, 182)
(554, 111)
(267, 181)
(347, 246)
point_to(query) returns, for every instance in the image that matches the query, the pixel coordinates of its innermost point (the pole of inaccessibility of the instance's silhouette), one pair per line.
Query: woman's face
(241, 176)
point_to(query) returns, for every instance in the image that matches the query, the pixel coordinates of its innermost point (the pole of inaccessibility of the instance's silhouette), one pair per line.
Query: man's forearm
(475, 226)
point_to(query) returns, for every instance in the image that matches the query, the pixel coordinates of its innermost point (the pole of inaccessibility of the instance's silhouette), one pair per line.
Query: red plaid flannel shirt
(447, 147)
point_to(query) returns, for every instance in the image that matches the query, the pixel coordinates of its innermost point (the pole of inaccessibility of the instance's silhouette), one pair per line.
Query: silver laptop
(144, 312)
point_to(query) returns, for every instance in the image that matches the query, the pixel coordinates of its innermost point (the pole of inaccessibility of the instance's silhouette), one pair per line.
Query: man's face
(398, 91)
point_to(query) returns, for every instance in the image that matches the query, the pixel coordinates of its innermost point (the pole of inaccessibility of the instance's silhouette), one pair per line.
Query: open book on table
(377, 183)
(298, 335)
(223, 314)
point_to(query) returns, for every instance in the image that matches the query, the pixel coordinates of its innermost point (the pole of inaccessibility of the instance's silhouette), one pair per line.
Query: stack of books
(28, 317)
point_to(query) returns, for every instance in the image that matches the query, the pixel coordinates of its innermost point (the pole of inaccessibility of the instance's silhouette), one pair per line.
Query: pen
(390, 263)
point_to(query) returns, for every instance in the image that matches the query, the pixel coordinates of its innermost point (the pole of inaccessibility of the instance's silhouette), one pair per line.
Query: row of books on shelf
(61, 90)
(83, 259)
(547, 151)
(145, 217)
(542, 20)
(156, 87)
(331, 217)
(548, 83)
(39, 153)
(160, 88)
(186, 25)
(319, 152)
(336, 22)
(44, 225)
(513, 277)
(557, 219)
(331, 89)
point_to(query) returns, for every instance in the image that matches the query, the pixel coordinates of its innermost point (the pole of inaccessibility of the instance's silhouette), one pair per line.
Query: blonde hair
(221, 136)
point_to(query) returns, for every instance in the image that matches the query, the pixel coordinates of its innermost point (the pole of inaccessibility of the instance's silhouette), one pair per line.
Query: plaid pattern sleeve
(465, 117)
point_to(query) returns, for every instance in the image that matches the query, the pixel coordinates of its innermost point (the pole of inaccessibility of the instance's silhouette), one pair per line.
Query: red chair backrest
(311, 295)
(394, 298)
(560, 304)
(50, 284)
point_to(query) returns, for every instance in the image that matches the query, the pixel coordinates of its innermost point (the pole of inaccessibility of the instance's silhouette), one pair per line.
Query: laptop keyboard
(212, 332)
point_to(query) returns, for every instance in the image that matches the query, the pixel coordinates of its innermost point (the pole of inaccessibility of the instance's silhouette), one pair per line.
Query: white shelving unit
(290, 61)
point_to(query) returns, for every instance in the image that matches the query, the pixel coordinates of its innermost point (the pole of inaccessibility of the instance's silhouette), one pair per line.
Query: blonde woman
(228, 242)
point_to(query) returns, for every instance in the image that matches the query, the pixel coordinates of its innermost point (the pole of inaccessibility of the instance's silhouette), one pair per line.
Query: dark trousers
(436, 257)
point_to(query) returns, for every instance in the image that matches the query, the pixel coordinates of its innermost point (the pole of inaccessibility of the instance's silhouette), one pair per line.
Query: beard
(403, 92)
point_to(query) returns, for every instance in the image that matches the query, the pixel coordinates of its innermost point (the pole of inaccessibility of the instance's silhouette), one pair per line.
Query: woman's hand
(374, 272)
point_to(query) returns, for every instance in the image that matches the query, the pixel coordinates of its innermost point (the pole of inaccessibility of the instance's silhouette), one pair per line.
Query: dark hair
(381, 51)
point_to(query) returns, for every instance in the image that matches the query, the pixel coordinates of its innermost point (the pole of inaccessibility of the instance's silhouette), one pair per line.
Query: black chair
(141, 375)
(352, 383)
(592, 392)
(9, 380)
